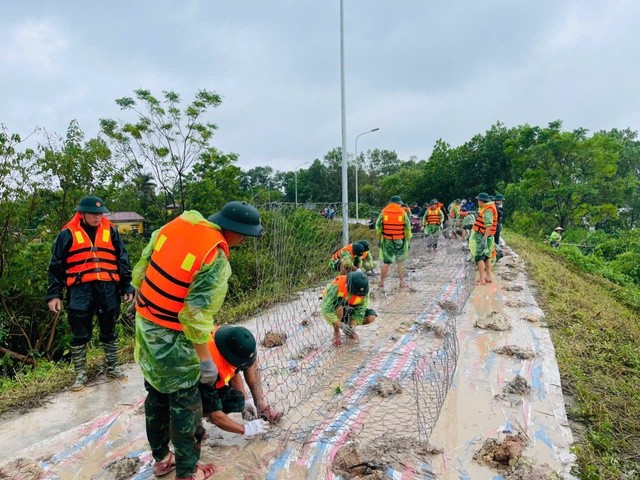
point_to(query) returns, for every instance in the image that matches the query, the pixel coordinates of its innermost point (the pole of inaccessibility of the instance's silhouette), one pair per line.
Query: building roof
(124, 217)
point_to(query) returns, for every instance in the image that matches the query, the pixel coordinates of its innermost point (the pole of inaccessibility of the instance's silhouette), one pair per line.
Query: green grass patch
(596, 337)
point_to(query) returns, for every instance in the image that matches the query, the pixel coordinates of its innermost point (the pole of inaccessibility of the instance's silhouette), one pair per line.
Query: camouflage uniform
(169, 363)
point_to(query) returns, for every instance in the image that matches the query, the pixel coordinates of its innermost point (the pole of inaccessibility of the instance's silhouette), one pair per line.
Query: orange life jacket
(226, 371)
(180, 251)
(455, 211)
(433, 216)
(349, 248)
(479, 226)
(87, 261)
(343, 291)
(393, 222)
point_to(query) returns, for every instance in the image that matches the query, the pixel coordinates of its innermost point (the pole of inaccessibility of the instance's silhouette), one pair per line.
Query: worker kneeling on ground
(347, 259)
(233, 350)
(345, 304)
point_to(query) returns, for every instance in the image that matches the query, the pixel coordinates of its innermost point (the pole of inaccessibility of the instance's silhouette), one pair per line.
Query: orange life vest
(349, 248)
(479, 226)
(87, 261)
(226, 371)
(455, 211)
(343, 291)
(393, 222)
(180, 251)
(433, 216)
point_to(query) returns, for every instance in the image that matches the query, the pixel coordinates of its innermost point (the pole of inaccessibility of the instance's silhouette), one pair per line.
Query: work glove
(256, 427)
(208, 372)
(348, 330)
(249, 412)
(483, 243)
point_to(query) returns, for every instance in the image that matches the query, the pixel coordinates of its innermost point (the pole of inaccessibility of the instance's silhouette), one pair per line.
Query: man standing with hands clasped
(181, 282)
(481, 241)
(90, 260)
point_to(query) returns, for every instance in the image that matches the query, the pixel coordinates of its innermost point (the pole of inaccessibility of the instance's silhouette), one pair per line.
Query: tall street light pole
(345, 187)
(363, 133)
(296, 178)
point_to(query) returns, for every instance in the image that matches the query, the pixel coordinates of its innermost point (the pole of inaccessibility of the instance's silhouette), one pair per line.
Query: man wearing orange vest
(181, 282)
(432, 222)
(89, 260)
(233, 350)
(481, 241)
(347, 259)
(345, 304)
(394, 226)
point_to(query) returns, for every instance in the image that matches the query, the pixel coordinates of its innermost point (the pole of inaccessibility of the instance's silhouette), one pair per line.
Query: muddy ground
(378, 408)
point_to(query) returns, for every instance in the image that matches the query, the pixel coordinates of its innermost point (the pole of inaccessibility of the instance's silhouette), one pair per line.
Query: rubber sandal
(208, 471)
(163, 467)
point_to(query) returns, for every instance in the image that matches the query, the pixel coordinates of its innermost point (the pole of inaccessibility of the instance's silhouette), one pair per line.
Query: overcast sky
(417, 69)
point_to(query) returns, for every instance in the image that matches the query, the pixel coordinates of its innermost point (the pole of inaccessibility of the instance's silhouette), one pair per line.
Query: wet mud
(523, 353)
(494, 321)
(501, 455)
(274, 339)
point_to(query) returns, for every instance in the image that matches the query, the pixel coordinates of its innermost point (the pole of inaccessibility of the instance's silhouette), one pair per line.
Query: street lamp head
(374, 130)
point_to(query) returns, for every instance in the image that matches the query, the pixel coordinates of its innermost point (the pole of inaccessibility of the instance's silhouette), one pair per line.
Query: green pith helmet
(433, 202)
(239, 217)
(91, 204)
(457, 200)
(559, 229)
(483, 197)
(396, 199)
(358, 249)
(237, 345)
(499, 196)
(364, 244)
(357, 283)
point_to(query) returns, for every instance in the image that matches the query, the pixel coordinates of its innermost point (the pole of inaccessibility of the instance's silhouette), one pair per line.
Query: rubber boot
(111, 356)
(79, 357)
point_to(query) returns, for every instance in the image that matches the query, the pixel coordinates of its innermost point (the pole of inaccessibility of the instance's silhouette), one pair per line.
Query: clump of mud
(305, 351)
(370, 461)
(22, 468)
(501, 455)
(514, 288)
(515, 351)
(515, 303)
(438, 330)
(385, 387)
(508, 276)
(517, 386)
(124, 468)
(494, 321)
(274, 339)
(533, 317)
(449, 307)
(525, 470)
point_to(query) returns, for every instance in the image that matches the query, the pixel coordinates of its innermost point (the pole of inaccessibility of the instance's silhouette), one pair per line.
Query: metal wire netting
(395, 378)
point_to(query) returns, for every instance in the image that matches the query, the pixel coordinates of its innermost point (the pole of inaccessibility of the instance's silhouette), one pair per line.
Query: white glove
(348, 329)
(256, 427)
(208, 372)
(249, 412)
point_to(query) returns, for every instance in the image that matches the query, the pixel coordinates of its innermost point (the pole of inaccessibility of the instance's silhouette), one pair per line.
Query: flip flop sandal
(208, 470)
(164, 467)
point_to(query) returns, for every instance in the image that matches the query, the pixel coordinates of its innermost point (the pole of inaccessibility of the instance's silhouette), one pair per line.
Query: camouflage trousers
(175, 417)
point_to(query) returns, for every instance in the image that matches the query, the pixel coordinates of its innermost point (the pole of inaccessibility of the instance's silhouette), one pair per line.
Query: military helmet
(433, 202)
(91, 204)
(364, 244)
(357, 283)
(396, 199)
(237, 345)
(239, 217)
(483, 197)
(358, 249)
(499, 196)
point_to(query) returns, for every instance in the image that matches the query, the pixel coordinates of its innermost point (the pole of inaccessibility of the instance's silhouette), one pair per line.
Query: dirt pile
(449, 307)
(517, 386)
(23, 469)
(514, 288)
(515, 351)
(385, 387)
(438, 330)
(508, 276)
(370, 461)
(501, 455)
(494, 321)
(124, 468)
(533, 318)
(515, 303)
(274, 339)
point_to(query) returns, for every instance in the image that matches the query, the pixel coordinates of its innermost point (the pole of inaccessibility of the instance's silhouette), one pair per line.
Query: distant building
(127, 221)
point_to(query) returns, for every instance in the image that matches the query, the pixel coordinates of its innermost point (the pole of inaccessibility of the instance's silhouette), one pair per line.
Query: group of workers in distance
(191, 367)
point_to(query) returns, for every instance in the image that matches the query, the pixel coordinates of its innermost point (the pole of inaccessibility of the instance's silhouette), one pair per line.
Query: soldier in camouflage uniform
(181, 281)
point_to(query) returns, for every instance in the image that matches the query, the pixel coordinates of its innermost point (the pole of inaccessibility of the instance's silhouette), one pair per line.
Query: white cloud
(37, 43)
